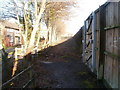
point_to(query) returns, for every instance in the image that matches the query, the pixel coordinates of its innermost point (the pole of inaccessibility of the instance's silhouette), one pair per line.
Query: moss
(112, 27)
(65, 56)
(82, 73)
(66, 61)
(88, 84)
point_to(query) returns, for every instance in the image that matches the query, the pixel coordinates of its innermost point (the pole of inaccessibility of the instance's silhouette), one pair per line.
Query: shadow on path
(61, 66)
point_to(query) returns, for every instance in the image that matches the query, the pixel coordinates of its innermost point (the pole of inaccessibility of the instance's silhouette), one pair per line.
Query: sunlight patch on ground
(14, 67)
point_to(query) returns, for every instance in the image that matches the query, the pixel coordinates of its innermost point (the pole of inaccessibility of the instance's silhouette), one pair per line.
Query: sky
(86, 7)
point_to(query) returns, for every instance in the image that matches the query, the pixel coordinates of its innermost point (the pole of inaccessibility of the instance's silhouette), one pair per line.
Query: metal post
(94, 42)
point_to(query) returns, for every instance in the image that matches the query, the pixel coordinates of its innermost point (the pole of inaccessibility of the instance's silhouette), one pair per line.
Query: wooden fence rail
(19, 52)
(13, 78)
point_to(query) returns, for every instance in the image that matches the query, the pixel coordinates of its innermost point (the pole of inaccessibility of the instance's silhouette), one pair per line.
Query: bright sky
(86, 7)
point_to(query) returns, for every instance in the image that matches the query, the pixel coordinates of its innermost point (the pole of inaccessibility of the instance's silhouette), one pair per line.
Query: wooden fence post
(102, 15)
(119, 47)
(94, 43)
(5, 67)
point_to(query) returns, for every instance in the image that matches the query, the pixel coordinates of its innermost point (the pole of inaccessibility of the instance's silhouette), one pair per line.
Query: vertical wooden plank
(97, 43)
(108, 70)
(119, 54)
(112, 84)
(111, 71)
(111, 64)
(115, 61)
(102, 43)
(106, 65)
(107, 16)
(105, 68)
(97, 50)
(115, 74)
(94, 43)
(119, 45)
(109, 40)
(111, 14)
(116, 41)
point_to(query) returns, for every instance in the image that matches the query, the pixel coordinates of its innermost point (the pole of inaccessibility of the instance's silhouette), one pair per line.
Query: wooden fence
(12, 79)
(101, 43)
(27, 71)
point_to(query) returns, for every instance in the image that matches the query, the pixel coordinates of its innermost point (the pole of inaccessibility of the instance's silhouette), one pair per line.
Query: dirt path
(61, 67)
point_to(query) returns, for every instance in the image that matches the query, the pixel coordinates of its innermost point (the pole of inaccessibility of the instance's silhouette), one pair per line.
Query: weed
(64, 56)
(82, 73)
(88, 84)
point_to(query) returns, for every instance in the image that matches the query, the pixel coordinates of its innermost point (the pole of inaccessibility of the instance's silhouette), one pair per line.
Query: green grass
(82, 73)
(66, 61)
(88, 84)
(66, 56)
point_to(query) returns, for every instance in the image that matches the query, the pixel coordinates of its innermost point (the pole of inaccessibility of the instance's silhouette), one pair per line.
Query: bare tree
(29, 14)
(55, 12)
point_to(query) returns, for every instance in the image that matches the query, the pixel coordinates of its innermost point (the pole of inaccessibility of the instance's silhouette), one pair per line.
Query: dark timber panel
(107, 43)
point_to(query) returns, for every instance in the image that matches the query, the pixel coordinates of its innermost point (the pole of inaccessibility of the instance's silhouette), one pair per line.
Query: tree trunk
(26, 28)
(32, 39)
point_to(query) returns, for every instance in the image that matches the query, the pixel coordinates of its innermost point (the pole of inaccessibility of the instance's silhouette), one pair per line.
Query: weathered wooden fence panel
(111, 65)
(111, 58)
(106, 22)
(97, 39)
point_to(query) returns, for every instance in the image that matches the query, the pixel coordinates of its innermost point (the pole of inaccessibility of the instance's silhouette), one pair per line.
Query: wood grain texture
(111, 66)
